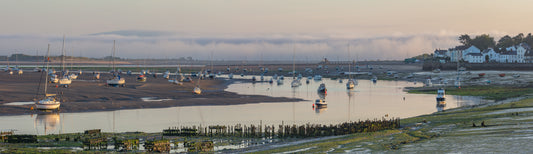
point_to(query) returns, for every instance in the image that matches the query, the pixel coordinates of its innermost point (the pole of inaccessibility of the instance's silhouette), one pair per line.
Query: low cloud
(157, 44)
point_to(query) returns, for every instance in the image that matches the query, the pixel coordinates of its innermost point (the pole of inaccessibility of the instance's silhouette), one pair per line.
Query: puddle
(20, 103)
(153, 99)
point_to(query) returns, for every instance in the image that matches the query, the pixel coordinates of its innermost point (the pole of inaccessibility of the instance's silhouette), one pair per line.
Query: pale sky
(247, 29)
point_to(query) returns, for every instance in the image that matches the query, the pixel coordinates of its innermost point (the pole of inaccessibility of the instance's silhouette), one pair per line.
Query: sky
(254, 29)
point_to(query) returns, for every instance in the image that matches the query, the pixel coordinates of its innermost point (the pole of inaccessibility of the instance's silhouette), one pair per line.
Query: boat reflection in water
(47, 123)
(441, 105)
(321, 109)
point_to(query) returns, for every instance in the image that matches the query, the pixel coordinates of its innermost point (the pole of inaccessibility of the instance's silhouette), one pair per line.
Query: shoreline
(94, 96)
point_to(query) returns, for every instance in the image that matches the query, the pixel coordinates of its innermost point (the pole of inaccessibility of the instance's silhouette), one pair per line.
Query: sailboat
(65, 80)
(351, 82)
(197, 89)
(176, 80)
(322, 88)
(295, 81)
(116, 80)
(49, 102)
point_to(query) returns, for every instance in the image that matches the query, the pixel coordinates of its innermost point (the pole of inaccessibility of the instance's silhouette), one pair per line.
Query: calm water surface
(366, 101)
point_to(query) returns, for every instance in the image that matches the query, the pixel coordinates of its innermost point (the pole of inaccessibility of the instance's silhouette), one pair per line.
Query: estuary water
(368, 100)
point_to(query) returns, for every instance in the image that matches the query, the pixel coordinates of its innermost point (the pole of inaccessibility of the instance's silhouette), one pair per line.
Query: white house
(493, 55)
(474, 58)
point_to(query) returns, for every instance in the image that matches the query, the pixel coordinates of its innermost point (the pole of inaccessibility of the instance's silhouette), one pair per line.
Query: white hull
(65, 81)
(47, 106)
(116, 82)
(197, 90)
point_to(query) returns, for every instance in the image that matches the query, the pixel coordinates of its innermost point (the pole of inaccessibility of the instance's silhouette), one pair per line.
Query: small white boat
(10, 72)
(441, 95)
(262, 77)
(116, 81)
(50, 102)
(281, 77)
(73, 76)
(296, 83)
(322, 88)
(65, 80)
(280, 82)
(351, 84)
(275, 77)
(197, 90)
(230, 76)
(20, 72)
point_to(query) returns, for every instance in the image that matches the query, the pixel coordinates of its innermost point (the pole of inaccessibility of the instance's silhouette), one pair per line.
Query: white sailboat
(64, 80)
(295, 81)
(197, 89)
(49, 102)
(116, 80)
(322, 88)
(351, 82)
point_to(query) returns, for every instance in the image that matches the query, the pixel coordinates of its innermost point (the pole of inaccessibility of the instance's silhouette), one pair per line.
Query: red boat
(481, 74)
(502, 75)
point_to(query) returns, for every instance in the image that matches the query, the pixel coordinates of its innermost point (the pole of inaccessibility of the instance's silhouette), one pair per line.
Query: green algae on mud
(487, 92)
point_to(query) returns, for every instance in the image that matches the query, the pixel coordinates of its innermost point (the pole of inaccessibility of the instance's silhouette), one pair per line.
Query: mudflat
(87, 94)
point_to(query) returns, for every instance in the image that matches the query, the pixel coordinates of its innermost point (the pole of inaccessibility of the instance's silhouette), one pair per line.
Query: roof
(509, 53)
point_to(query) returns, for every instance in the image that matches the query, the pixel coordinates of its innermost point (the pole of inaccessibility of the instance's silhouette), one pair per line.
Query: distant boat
(351, 84)
(307, 81)
(441, 95)
(322, 88)
(374, 79)
(281, 77)
(262, 77)
(166, 75)
(502, 75)
(49, 102)
(116, 80)
(197, 90)
(428, 83)
(436, 70)
(230, 76)
(97, 76)
(271, 81)
(64, 80)
(296, 83)
(516, 75)
(481, 74)
(280, 82)
(20, 72)
(253, 78)
(320, 103)
(141, 78)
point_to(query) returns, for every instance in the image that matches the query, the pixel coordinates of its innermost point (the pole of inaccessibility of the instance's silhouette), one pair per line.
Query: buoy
(31, 108)
(57, 86)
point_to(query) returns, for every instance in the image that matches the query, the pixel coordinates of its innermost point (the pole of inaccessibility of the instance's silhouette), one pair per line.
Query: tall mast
(293, 63)
(350, 63)
(113, 56)
(63, 55)
(47, 59)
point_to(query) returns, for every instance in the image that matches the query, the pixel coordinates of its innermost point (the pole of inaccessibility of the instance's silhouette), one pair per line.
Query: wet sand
(86, 94)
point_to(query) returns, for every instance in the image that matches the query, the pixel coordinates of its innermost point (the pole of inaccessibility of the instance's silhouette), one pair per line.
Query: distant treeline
(485, 41)
(23, 57)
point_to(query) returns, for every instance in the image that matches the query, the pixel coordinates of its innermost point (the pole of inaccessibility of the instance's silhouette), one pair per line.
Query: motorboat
(296, 83)
(441, 95)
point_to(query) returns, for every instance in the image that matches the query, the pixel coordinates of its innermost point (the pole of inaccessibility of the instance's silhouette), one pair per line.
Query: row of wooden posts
(283, 131)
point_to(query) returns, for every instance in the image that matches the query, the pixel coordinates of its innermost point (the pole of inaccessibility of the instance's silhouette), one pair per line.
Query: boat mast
(63, 55)
(47, 59)
(349, 63)
(293, 63)
(113, 56)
